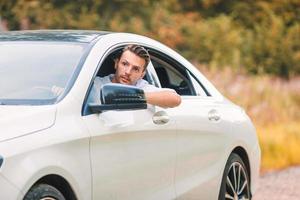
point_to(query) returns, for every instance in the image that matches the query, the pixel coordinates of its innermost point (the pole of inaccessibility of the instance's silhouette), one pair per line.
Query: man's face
(129, 68)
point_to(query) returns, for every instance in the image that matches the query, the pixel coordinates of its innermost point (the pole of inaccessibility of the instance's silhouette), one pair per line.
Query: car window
(199, 89)
(107, 68)
(172, 76)
(36, 72)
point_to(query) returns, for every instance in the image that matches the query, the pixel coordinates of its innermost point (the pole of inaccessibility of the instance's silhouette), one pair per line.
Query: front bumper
(7, 190)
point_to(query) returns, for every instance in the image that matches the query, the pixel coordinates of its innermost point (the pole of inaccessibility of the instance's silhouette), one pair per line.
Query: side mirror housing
(115, 96)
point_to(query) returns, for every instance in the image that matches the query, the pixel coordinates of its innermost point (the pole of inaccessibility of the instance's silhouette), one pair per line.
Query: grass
(274, 106)
(280, 145)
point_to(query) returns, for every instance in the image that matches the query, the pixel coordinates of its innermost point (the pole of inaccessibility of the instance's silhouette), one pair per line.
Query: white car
(54, 144)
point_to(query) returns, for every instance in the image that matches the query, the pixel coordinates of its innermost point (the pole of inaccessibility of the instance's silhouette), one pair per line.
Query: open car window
(171, 78)
(172, 74)
(107, 66)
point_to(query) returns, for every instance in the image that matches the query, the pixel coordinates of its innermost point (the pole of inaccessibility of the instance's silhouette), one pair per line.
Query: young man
(130, 70)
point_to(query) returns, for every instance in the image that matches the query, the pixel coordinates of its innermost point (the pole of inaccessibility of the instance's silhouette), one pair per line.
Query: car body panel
(17, 121)
(198, 159)
(129, 162)
(245, 136)
(56, 150)
(11, 191)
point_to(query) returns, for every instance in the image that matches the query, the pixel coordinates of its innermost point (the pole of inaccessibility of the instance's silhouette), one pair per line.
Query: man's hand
(165, 99)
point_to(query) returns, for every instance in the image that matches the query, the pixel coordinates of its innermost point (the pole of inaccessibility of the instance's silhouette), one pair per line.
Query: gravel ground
(279, 185)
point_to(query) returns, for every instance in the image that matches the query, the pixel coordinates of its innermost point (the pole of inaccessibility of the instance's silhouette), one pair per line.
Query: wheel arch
(59, 183)
(242, 153)
(244, 156)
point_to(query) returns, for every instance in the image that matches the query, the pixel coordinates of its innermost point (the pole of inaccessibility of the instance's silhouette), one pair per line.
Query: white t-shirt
(100, 81)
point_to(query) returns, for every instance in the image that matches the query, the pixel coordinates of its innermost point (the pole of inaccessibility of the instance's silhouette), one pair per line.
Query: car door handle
(160, 117)
(213, 115)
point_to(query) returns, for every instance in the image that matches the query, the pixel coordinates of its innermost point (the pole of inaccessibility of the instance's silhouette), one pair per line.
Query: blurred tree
(258, 36)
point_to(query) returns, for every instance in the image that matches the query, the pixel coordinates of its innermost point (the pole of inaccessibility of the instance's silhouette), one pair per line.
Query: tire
(43, 192)
(235, 181)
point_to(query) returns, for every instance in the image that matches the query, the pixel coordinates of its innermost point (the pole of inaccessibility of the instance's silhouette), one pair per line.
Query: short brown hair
(139, 51)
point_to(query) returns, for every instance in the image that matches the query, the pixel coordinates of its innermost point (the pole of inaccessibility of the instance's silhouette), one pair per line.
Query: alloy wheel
(237, 184)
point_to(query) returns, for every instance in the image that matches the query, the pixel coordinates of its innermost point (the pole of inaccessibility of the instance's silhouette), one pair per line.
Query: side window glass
(150, 75)
(198, 88)
(171, 77)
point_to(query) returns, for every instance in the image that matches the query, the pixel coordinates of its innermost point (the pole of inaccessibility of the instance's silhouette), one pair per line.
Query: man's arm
(165, 99)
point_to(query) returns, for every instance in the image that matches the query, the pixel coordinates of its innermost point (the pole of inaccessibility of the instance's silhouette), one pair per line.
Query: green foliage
(272, 48)
(256, 36)
(216, 42)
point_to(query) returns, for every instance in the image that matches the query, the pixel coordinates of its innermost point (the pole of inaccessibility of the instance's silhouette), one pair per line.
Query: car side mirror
(115, 96)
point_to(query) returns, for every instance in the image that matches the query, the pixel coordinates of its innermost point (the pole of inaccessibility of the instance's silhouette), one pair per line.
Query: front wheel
(235, 181)
(44, 192)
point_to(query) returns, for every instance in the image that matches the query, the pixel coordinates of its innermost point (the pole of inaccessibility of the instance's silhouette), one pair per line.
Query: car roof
(84, 36)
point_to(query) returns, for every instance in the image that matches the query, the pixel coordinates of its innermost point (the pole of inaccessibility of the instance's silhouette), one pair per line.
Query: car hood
(16, 121)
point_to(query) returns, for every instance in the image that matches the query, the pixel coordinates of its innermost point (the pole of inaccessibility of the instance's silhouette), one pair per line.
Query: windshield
(36, 72)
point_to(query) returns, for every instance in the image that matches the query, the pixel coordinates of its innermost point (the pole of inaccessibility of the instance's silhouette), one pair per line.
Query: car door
(131, 156)
(201, 147)
(201, 130)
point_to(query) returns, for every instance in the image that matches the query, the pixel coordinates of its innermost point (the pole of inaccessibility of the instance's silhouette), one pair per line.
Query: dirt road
(279, 185)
